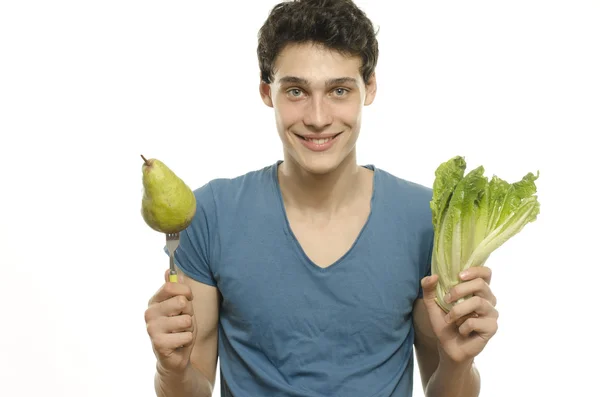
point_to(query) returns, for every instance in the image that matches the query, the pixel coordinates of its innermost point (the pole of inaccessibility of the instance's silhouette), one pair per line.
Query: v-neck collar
(288, 229)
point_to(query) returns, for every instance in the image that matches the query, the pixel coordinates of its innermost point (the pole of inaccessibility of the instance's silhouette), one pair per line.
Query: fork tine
(172, 244)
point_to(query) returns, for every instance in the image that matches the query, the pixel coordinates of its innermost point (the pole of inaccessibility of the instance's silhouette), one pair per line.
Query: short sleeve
(193, 256)
(425, 265)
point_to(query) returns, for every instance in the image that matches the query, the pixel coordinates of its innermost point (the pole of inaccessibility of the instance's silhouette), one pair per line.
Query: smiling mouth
(319, 141)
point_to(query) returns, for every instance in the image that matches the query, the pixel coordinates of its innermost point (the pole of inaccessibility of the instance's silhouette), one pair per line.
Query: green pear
(168, 204)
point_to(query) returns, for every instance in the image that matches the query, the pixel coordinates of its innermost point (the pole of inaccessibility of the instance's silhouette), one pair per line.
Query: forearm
(454, 380)
(190, 383)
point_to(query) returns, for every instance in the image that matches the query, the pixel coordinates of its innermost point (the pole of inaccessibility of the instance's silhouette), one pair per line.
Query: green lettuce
(473, 216)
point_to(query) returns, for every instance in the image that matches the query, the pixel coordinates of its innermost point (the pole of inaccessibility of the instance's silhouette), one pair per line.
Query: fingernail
(447, 318)
(464, 274)
(447, 297)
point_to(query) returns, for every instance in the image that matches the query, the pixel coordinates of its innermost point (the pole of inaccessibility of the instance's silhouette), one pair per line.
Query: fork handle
(172, 271)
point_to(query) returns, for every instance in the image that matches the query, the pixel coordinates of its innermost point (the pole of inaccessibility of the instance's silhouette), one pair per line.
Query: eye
(340, 91)
(295, 92)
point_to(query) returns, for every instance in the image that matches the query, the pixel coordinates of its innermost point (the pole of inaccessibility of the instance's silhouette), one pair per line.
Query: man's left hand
(465, 330)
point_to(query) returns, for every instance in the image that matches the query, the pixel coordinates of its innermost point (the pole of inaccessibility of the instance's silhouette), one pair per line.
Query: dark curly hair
(338, 24)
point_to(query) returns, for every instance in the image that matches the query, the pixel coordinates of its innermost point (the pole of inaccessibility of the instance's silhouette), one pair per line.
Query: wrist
(456, 368)
(453, 378)
(170, 375)
(450, 365)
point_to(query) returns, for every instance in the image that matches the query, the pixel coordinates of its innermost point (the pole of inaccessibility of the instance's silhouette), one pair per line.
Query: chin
(319, 166)
(318, 163)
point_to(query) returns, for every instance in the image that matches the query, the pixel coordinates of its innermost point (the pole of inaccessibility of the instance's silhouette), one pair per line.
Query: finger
(484, 327)
(475, 305)
(165, 343)
(169, 290)
(476, 287)
(428, 285)
(474, 272)
(462, 319)
(167, 325)
(175, 306)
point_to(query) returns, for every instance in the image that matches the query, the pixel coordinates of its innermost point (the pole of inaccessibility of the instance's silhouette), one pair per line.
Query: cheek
(350, 114)
(287, 114)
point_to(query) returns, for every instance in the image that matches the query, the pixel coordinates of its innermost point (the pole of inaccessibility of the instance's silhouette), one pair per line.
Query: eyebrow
(330, 82)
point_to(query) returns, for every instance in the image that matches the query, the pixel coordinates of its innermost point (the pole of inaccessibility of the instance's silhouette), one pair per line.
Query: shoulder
(407, 207)
(220, 203)
(408, 186)
(226, 191)
(403, 194)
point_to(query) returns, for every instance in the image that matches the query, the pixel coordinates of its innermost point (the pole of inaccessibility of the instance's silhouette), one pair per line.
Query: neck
(322, 193)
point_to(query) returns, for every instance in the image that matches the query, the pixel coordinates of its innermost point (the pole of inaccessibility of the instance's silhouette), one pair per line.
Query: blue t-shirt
(288, 327)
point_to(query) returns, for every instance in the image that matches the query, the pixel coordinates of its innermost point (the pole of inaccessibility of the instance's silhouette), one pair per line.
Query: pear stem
(146, 161)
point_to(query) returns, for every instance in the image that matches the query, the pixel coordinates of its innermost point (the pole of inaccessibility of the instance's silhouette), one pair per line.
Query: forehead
(315, 62)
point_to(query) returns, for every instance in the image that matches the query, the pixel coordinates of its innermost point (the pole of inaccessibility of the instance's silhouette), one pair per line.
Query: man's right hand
(171, 325)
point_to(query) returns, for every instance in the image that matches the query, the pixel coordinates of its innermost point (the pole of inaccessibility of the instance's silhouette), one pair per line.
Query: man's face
(317, 95)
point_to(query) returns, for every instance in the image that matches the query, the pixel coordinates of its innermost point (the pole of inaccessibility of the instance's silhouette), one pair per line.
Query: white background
(86, 87)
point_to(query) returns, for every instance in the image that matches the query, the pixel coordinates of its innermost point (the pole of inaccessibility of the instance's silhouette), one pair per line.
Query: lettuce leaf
(472, 217)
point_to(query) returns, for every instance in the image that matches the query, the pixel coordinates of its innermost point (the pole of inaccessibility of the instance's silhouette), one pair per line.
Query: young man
(309, 277)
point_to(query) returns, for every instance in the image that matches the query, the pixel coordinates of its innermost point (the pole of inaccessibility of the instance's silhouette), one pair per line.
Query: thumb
(167, 275)
(429, 289)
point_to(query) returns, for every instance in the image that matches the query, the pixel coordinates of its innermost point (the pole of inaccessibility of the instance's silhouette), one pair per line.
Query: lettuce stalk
(472, 217)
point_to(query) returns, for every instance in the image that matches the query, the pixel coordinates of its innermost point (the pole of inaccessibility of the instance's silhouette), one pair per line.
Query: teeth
(320, 141)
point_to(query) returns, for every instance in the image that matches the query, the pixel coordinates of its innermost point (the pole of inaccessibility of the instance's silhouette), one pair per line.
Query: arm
(440, 376)
(447, 343)
(199, 377)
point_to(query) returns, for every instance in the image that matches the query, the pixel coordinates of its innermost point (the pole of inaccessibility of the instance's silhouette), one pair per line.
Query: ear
(371, 90)
(265, 93)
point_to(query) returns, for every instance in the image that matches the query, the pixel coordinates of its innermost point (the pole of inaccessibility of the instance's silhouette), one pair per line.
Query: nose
(318, 114)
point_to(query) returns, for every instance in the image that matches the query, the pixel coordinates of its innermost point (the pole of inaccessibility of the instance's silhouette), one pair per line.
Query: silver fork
(172, 244)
